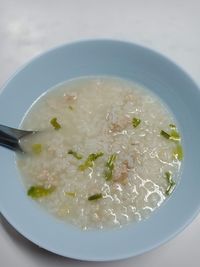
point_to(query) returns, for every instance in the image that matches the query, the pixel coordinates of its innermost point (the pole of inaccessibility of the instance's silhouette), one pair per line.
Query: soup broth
(109, 152)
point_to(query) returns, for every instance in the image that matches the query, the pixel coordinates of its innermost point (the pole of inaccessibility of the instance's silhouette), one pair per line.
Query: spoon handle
(9, 138)
(10, 144)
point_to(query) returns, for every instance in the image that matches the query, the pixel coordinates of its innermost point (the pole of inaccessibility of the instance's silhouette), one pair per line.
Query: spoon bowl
(10, 137)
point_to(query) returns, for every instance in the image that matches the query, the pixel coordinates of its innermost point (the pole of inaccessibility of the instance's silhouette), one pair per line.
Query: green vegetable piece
(108, 174)
(110, 167)
(170, 188)
(39, 191)
(178, 152)
(55, 124)
(164, 134)
(85, 165)
(172, 126)
(135, 122)
(174, 135)
(71, 194)
(70, 107)
(94, 156)
(95, 197)
(37, 148)
(171, 183)
(111, 160)
(75, 154)
(168, 177)
(90, 161)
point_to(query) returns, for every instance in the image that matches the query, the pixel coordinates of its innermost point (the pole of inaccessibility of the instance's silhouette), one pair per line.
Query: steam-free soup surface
(109, 152)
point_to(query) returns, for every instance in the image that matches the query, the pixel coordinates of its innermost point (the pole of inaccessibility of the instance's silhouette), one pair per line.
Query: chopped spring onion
(170, 189)
(111, 160)
(39, 191)
(171, 183)
(70, 107)
(71, 194)
(95, 156)
(55, 124)
(90, 161)
(95, 197)
(75, 154)
(178, 152)
(135, 122)
(108, 174)
(110, 167)
(172, 126)
(168, 177)
(164, 134)
(37, 148)
(174, 135)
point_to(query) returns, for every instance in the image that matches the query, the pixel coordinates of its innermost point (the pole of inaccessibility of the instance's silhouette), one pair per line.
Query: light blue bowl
(102, 57)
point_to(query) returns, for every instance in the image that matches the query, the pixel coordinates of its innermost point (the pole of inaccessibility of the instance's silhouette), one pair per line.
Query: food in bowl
(109, 152)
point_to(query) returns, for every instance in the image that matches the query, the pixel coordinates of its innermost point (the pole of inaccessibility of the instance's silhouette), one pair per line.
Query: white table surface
(29, 27)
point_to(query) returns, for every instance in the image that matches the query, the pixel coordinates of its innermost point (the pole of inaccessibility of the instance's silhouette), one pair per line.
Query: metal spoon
(10, 137)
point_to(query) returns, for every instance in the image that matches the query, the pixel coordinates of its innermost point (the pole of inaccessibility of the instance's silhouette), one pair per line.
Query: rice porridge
(109, 152)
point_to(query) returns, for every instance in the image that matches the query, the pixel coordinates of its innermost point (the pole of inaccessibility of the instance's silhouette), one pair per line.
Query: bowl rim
(88, 40)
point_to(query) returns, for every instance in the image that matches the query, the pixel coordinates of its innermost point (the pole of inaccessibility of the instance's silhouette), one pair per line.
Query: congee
(108, 152)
